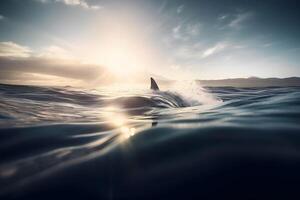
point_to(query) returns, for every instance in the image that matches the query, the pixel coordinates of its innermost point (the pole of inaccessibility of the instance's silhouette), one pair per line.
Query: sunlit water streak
(144, 136)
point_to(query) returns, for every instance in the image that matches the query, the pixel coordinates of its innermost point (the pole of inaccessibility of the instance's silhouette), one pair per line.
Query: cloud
(1, 17)
(193, 29)
(162, 6)
(55, 52)
(239, 19)
(186, 31)
(215, 49)
(197, 51)
(180, 9)
(11, 49)
(19, 64)
(267, 44)
(53, 67)
(80, 3)
(222, 17)
(176, 32)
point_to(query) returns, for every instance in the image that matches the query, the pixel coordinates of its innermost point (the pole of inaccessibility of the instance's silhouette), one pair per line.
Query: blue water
(184, 143)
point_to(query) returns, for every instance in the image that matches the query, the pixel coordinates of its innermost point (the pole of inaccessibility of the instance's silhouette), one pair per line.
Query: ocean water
(185, 142)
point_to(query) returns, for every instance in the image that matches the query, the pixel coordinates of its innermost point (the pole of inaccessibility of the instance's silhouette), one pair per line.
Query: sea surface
(183, 142)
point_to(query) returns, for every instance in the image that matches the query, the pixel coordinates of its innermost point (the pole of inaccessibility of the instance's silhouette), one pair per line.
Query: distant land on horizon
(252, 82)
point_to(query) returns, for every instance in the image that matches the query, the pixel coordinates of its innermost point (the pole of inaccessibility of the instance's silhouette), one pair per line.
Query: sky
(78, 42)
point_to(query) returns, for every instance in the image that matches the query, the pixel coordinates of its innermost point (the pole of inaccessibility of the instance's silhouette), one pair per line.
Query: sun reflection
(120, 121)
(128, 132)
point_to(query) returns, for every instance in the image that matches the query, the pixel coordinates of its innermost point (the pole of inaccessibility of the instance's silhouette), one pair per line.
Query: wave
(46, 132)
(64, 104)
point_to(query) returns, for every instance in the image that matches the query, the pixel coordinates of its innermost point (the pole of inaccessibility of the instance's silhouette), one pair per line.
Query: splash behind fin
(154, 86)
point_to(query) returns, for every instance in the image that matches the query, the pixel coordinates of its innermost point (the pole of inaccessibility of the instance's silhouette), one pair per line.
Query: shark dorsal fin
(154, 86)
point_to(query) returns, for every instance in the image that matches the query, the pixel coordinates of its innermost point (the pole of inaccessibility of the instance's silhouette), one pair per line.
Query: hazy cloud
(55, 67)
(1, 17)
(17, 61)
(267, 45)
(55, 52)
(180, 9)
(162, 6)
(198, 51)
(222, 17)
(81, 3)
(186, 31)
(239, 19)
(176, 32)
(193, 29)
(11, 49)
(215, 49)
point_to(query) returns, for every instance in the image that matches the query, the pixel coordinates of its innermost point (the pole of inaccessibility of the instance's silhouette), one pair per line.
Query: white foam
(193, 93)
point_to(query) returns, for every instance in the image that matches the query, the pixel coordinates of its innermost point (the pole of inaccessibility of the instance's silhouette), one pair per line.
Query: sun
(120, 45)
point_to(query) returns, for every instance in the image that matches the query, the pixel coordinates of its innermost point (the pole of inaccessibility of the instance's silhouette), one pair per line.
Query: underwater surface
(186, 142)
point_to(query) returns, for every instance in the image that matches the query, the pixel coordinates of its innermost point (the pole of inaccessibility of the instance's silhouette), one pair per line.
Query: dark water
(213, 143)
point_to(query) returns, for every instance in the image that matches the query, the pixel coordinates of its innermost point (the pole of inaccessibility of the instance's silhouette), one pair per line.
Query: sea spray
(193, 93)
